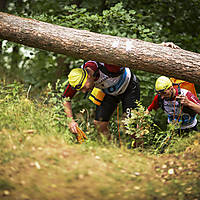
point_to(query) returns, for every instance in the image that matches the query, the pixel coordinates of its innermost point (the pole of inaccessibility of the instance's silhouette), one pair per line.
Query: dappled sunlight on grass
(40, 159)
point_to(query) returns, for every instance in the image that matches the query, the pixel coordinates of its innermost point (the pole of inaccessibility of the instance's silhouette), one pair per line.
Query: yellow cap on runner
(77, 78)
(162, 84)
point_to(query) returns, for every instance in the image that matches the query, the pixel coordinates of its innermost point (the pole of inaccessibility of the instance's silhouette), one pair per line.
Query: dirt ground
(40, 168)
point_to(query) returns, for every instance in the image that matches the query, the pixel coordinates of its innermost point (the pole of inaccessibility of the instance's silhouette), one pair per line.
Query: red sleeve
(192, 98)
(69, 92)
(155, 104)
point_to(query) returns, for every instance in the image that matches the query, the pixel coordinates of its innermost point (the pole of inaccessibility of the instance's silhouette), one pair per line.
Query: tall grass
(39, 158)
(47, 117)
(18, 113)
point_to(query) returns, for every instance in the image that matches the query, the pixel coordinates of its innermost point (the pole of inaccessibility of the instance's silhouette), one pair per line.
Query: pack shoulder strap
(184, 84)
(178, 86)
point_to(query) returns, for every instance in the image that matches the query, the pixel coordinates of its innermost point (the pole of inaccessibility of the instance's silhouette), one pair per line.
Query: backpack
(97, 95)
(184, 84)
(180, 84)
(109, 73)
(105, 70)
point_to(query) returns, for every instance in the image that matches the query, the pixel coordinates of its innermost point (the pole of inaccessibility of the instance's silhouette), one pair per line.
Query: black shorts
(128, 99)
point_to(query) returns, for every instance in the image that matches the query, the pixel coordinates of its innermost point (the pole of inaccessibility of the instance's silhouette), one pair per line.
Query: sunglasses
(78, 87)
(163, 92)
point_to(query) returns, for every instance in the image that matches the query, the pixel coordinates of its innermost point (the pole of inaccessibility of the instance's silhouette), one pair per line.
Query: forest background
(39, 157)
(154, 21)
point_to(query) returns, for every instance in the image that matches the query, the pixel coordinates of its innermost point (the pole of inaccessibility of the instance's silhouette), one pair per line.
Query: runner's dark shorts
(128, 99)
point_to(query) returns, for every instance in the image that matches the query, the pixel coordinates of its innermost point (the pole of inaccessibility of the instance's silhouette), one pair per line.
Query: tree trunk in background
(2, 5)
(77, 2)
(103, 5)
(15, 60)
(2, 8)
(63, 68)
(132, 53)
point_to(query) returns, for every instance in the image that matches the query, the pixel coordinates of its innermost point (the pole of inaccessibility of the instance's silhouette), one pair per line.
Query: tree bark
(87, 45)
(2, 9)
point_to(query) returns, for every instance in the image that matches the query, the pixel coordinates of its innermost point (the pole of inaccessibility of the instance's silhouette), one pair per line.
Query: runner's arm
(69, 93)
(154, 105)
(72, 123)
(191, 101)
(194, 106)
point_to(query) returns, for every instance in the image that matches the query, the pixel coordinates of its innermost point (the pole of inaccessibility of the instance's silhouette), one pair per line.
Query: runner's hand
(183, 100)
(170, 44)
(72, 126)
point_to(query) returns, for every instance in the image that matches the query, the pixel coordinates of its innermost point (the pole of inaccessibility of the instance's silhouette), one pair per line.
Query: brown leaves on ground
(47, 168)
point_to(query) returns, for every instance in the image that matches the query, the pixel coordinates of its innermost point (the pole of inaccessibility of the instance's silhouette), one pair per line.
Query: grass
(40, 160)
(5, 185)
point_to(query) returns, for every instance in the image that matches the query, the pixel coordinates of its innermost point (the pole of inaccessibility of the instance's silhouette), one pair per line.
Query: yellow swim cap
(162, 84)
(77, 78)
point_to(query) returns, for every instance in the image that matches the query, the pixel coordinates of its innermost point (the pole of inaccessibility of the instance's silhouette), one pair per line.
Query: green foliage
(182, 143)
(173, 18)
(114, 21)
(21, 114)
(164, 139)
(42, 67)
(140, 123)
(141, 126)
(55, 100)
(83, 115)
(10, 93)
(153, 21)
(48, 118)
(37, 68)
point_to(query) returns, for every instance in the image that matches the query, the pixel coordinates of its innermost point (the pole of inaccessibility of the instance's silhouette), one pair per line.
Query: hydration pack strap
(179, 87)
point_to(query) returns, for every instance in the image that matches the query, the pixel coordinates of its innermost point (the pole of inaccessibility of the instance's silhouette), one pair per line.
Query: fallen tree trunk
(87, 45)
